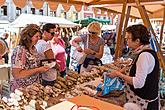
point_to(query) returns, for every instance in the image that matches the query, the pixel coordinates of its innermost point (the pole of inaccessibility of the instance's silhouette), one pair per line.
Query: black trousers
(63, 73)
(48, 83)
(6, 57)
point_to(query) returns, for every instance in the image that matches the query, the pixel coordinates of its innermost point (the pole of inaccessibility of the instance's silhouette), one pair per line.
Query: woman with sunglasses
(25, 60)
(58, 47)
(95, 46)
(46, 54)
(142, 81)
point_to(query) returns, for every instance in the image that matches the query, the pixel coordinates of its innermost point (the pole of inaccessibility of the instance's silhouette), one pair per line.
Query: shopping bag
(110, 84)
(79, 56)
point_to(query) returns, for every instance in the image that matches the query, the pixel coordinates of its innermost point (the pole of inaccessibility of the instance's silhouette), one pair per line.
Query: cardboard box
(85, 100)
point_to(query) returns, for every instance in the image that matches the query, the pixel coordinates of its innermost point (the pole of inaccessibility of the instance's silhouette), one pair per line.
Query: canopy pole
(18, 36)
(125, 26)
(147, 23)
(119, 30)
(162, 28)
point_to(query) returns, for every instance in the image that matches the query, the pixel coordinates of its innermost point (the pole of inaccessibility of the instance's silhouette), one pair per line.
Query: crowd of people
(39, 47)
(36, 48)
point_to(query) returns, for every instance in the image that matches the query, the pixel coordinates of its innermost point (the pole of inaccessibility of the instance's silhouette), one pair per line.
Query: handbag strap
(87, 41)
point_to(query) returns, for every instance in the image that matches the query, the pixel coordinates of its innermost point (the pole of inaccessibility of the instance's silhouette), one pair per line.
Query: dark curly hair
(46, 27)
(140, 32)
(27, 33)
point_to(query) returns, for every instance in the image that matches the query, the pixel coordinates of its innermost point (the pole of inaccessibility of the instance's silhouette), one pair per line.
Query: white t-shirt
(42, 46)
(145, 65)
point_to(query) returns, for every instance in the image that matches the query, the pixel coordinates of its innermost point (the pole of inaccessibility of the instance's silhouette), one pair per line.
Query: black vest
(150, 89)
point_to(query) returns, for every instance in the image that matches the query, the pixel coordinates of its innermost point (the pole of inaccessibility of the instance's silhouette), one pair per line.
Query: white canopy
(108, 27)
(25, 19)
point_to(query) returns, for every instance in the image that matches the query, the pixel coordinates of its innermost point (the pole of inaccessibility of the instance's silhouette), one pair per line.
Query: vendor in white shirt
(143, 79)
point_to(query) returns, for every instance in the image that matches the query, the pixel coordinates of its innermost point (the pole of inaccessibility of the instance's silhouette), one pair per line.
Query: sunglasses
(52, 33)
(92, 32)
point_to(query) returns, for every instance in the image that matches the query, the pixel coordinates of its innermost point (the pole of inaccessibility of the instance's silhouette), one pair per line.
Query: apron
(132, 97)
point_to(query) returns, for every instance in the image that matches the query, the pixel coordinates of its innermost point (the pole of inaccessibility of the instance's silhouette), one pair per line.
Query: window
(76, 15)
(32, 10)
(18, 11)
(65, 16)
(41, 12)
(53, 13)
(98, 17)
(89, 8)
(104, 17)
(4, 10)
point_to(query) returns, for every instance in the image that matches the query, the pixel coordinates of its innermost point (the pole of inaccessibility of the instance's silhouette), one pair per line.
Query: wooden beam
(147, 23)
(113, 11)
(119, 31)
(94, 1)
(125, 26)
(121, 1)
(162, 28)
(150, 12)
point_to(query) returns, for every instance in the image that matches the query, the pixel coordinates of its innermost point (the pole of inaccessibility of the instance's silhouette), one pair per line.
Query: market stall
(74, 85)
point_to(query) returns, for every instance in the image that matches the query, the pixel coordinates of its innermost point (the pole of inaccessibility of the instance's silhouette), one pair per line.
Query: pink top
(59, 52)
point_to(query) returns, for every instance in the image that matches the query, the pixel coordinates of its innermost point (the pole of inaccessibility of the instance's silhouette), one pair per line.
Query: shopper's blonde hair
(94, 27)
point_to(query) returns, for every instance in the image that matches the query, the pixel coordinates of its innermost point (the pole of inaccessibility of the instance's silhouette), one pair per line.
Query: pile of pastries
(38, 97)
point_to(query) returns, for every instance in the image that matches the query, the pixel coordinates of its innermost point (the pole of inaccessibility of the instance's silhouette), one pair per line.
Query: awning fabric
(2, 2)
(20, 3)
(39, 19)
(37, 3)
(66, 6)
(52, 5)
(86, 21)
(78, 8)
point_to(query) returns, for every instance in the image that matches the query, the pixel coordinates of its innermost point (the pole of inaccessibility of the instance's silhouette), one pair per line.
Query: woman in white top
(143, 79)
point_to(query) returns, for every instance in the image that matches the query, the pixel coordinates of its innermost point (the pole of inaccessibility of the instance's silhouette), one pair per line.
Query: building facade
(9, 11)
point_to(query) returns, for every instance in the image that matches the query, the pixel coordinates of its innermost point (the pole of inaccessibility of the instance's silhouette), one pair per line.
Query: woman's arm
(94, 53)
(22, 73)
(75, 43)
(126, 78)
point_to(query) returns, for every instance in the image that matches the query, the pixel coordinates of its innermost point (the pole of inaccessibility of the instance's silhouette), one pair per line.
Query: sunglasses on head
(92, 32)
